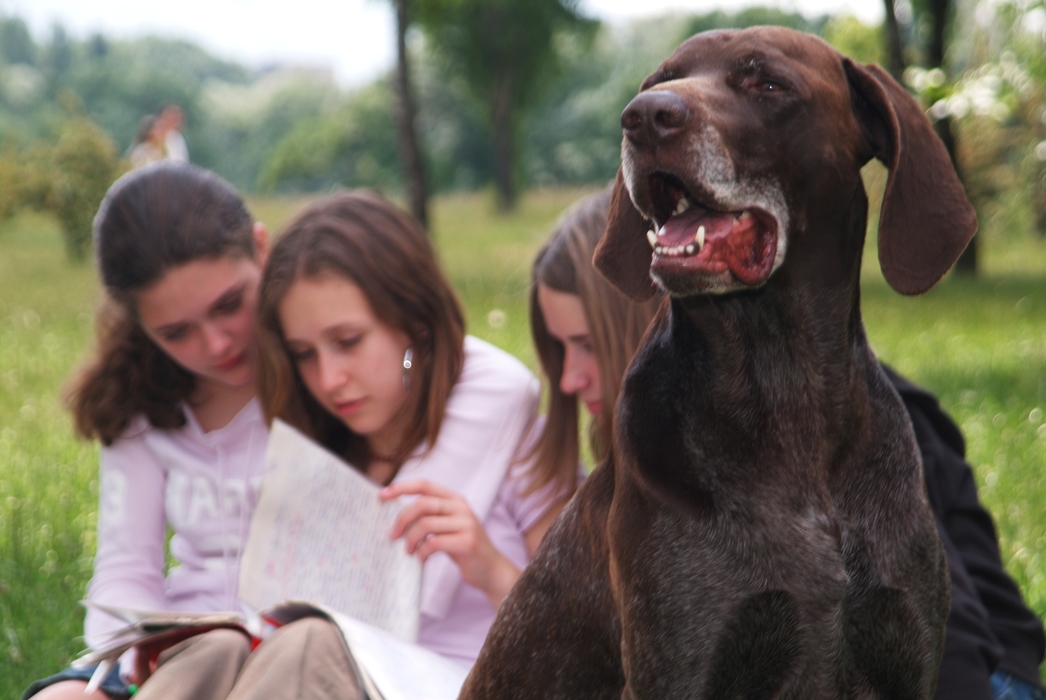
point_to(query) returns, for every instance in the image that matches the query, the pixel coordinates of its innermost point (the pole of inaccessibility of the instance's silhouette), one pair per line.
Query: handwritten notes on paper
(321, 534)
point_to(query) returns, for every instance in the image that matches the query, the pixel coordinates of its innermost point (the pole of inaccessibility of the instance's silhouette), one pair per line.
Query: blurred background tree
(505, 51)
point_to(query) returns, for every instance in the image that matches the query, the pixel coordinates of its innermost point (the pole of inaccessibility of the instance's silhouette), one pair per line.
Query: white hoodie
(205, 486)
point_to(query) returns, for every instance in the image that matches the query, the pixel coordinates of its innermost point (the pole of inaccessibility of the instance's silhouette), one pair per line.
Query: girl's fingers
(426, 506)
(415, 487)
(430, 526)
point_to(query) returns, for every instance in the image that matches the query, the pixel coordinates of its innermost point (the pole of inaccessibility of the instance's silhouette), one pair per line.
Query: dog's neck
(782, 367)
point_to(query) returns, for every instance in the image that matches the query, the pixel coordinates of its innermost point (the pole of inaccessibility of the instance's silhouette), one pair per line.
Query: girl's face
(350, 361)
(565, 319)
(201, 314)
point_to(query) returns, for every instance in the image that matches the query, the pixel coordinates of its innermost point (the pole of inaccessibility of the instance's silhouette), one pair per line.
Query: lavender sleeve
(132, 526)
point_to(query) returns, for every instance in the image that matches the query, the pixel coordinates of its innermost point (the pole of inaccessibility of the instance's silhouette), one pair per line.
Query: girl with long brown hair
(170, 394)
(585, 332)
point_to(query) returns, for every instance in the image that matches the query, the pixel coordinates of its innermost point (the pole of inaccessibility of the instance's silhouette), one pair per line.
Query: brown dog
(761, 528)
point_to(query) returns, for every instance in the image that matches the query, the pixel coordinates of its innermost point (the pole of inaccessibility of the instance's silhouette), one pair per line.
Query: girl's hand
(440, 520)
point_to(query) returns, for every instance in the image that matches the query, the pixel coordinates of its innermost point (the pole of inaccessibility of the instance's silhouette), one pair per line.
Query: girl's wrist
(501, 576)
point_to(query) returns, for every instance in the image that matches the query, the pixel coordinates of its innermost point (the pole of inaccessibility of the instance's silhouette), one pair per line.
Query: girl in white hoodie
(171, 396)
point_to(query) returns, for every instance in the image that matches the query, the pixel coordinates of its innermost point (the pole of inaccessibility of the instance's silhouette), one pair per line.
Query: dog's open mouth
(693, 239)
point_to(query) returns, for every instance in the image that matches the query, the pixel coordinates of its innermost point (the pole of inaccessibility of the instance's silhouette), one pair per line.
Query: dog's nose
(654, 116)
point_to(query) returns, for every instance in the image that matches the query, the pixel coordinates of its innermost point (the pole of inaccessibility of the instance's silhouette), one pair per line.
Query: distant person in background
(586, 331)
(170, 124)
(147, 146)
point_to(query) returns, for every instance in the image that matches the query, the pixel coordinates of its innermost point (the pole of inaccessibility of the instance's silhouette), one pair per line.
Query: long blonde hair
(616, 325)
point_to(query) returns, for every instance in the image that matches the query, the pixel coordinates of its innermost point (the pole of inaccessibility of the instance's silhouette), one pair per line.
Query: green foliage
(66, 174)
(853, 38)
(574, 135)
(500, 44)
(352, 144)
(246, 122)
(505, 52)
(996, 108)
(80, 168)
(16, 46)
(752, 17)
(48, 480)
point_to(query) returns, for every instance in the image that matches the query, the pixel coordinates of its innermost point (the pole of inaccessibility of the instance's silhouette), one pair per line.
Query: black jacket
(989, 626)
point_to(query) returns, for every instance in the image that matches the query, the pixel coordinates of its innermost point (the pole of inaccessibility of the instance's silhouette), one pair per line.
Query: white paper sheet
(321, 534)
(399, 670)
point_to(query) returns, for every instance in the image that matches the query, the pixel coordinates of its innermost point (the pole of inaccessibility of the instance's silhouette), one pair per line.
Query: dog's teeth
(652, 237)
(745, 215)
(699, 238)
(690, 249)
(682, 206)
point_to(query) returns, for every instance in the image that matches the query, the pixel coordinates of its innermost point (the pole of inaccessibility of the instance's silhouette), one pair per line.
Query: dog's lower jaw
(716, 269)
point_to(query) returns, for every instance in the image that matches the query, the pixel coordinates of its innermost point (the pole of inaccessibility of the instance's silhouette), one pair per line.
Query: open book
(318, 545)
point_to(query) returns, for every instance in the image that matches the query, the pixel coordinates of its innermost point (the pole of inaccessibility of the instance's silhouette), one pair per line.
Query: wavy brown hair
(363, 238)
(615, 322)
(152, 219)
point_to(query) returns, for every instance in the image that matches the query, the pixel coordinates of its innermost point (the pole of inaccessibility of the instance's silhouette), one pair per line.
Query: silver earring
(408, 362)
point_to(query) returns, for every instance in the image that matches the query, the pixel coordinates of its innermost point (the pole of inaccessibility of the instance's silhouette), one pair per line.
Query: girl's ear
(261, 243)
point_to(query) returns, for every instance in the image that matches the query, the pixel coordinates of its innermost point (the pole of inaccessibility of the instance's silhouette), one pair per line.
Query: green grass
(979, 344)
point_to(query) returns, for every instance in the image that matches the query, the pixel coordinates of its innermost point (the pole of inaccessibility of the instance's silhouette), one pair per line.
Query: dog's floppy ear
(623, 255)
(926, 220)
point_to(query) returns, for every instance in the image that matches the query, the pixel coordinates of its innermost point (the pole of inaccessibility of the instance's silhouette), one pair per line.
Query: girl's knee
(226, 641)
(225, 644)
(307, 631)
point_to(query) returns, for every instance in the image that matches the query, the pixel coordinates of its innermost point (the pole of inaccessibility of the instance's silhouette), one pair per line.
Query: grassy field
(980, 344)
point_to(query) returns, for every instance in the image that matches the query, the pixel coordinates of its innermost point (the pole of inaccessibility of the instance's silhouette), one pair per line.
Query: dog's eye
(763, 84)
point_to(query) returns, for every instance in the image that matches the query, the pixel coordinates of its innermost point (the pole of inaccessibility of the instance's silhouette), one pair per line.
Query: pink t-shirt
(490, 420)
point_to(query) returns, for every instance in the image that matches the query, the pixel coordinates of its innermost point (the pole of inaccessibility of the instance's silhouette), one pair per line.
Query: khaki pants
(305, 660)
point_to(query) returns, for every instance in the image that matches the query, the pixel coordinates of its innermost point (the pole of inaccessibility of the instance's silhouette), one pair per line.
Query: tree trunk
(503, 137)
(894, 47)
(967, 263)
(406, 113)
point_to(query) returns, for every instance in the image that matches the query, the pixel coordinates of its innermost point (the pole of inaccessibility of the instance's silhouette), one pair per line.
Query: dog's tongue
(721, 241)
(681, 229)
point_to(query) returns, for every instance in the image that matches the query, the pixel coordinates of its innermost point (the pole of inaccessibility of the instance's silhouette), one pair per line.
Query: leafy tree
(411, 159)
(16, 46)
(79, 169)
(574, 134)
(995, 106)
(353, 145)
(856, 39)
(505, 50)
(58, 58)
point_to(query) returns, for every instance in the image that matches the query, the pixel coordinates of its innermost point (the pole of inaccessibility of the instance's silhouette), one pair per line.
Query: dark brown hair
(361, 237)
(152, 219)
(616, 325)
